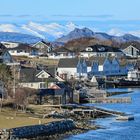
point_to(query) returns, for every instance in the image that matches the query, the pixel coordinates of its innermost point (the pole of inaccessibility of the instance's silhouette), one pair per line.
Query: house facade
(101, 51)
(23, 50)
(5, 56)
(37, 78)
(110, 66)
(132, 51)
(73, 67)
(43, 47)
(62, 52)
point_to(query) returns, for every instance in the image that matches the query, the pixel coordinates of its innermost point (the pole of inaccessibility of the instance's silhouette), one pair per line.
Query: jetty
(110, 100)
(92, 111)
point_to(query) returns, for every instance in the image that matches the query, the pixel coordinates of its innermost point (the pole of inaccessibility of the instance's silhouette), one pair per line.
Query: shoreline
(53, 130)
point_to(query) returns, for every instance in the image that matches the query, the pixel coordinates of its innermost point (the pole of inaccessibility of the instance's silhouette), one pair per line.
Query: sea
(113, 129)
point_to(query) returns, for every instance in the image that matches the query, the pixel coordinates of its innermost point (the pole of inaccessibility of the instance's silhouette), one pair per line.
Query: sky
(111, 16)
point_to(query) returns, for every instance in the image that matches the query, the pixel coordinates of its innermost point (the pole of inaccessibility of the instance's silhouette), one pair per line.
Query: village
(42, 80)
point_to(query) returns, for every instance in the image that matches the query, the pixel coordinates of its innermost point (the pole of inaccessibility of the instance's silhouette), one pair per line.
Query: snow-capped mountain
(47, 31)
(85, 32)
(18, 37)
(59, 33)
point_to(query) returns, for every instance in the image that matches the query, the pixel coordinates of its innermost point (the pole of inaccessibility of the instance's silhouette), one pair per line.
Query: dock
(110, 100)
(91, 111)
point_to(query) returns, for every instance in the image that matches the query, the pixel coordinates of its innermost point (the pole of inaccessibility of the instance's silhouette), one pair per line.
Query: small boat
(125, 118)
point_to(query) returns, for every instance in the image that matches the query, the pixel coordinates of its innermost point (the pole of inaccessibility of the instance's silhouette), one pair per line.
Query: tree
(5, 80)
(5, 77)
(21, 97)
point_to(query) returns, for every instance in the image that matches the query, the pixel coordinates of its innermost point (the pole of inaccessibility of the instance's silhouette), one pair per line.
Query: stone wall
(43, 130)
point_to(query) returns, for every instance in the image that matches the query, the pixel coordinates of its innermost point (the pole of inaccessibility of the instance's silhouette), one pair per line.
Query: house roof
(101, 48)
(23, 47)
(101, 60)
(134, 44)
(2, 52)
(71, 62)
(30, 75)
(2, 47)
(42, 41)
(62, 49)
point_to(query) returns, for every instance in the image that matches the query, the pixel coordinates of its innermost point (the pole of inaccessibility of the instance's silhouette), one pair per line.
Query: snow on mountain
(59, 33)
(76, 33)
(46, 31)
(18, 37)
(85, 32)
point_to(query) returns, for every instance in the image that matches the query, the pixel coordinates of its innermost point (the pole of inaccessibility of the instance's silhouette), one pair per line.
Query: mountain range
(18, 37)
(87, 33)
(76, 33)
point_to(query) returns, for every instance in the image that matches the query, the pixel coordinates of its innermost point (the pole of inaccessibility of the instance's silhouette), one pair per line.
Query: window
(42, 85)
(89, 49)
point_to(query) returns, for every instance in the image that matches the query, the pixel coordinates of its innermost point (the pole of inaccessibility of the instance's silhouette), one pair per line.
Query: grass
(8, 119)
(39, 60)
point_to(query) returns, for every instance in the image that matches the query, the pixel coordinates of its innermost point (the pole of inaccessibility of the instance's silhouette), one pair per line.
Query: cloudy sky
(115, 17)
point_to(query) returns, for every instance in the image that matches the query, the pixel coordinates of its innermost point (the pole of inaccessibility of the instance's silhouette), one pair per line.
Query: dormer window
(101, 49)
(89, 49)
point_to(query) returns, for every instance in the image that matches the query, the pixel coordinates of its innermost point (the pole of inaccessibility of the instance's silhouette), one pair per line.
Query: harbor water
(113, 129)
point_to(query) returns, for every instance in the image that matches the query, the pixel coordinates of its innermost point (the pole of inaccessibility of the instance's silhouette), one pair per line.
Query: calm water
(117, 130)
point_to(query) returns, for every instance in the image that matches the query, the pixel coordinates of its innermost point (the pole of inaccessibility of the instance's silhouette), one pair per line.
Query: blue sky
(72, 9)
(99, 15)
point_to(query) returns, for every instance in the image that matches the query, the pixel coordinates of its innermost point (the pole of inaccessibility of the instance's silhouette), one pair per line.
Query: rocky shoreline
(54, 130)
(72, 123)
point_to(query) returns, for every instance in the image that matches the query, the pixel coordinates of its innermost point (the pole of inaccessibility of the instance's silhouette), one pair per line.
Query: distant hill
(18, 37)
(87, 33)
(81, 43)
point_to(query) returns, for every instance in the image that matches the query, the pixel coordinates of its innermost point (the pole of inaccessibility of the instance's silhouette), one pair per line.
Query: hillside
(18, 37)
(87, 33)
(81, 43)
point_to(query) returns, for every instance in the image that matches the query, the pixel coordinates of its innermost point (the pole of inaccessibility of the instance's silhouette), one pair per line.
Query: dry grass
(8, 119)
(44, 61)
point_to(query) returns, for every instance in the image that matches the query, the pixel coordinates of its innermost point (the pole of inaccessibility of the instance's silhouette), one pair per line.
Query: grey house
(132, 50)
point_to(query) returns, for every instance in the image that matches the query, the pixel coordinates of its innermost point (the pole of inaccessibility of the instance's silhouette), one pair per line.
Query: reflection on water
(117, 130)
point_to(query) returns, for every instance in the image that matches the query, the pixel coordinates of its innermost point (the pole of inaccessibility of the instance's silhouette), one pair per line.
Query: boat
(125, 118)
(132, 80)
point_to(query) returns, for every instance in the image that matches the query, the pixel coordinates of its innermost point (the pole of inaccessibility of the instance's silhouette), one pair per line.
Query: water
(117, 130)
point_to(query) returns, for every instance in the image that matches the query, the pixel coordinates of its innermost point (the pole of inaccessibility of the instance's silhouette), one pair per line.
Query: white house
(73, 67)
(61, 52)
(132, 50)
(36, 79)
(23, 50)
(101, 51)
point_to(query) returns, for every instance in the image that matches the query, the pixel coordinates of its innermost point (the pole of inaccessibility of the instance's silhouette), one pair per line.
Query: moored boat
(125, 118)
